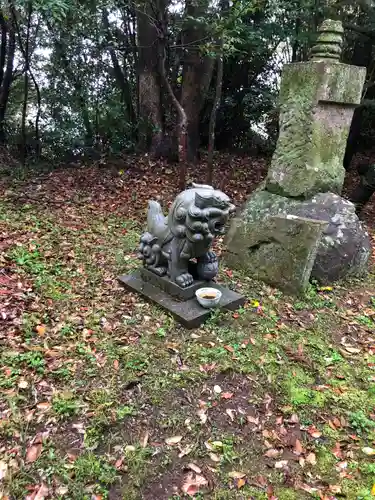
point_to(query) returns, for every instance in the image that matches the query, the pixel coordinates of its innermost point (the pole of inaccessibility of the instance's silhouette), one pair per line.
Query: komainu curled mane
(196, 216)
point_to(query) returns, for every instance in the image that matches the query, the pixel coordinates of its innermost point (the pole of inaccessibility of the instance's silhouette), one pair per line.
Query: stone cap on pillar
(329, 42)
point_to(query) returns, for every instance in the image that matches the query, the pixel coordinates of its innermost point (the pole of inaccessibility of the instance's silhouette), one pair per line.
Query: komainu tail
(156, 221)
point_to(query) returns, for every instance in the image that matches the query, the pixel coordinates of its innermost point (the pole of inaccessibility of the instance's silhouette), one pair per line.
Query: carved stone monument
(280, 252)
(177, 256)
(317, 100)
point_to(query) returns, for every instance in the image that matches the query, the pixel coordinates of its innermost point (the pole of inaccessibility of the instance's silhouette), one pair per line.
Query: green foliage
(86, 69)
(88, 467)
(360, 422)
(65, 405)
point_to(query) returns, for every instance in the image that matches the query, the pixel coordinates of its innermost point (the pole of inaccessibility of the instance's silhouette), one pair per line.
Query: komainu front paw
(184, 280)
(210, 257)
(159, 270)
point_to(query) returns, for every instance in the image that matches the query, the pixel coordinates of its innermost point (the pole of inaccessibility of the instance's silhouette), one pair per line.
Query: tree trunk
(150, 104)
(197, 72)
(182, 120)
(8, 47)
(26, 84)
(3, 46)
(26, 55)
(215, 108)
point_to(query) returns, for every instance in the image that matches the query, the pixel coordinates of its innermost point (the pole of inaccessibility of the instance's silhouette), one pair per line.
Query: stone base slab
(187, 312)
(169, 286)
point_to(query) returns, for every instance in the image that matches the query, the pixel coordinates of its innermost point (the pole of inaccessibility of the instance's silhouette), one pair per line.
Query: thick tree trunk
(215, 108)
(150, 104)
(8, 47)
(197, 72)
(25, 50)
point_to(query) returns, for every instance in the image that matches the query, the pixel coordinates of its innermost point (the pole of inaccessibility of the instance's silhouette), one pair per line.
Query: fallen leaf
(252, 420)
(272, 453)
(185, 451)
(145, 440)
(129, 448)
(236, 475)
(116, 364)
(62, 490)
(298, 449)
(29, 415)
(202, 414)
(226, 395)
(173, 440)
(336, 450)
(207, 367)
(281, 464)
(353, 350)
(40, 330)
(314, 432)
(240, 483)
(334, 488)
(294, 419)
(119, 462)
(3, 469)
(42, 493)
(193, 484)
(332, 425)
(341, 465)
(194, 468)
(311, 458)
(368, 451)
(33, 453)
(337, 423)
(230, 413)
(214, 457)
(235, 315)
(229, 348)
(373, 490)
(44, 406)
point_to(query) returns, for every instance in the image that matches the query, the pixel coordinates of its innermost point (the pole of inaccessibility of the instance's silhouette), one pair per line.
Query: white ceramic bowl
(208, 302)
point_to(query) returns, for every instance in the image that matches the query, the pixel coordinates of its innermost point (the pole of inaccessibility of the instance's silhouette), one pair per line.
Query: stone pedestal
(343, 248)
(180, 302)
(317, 101)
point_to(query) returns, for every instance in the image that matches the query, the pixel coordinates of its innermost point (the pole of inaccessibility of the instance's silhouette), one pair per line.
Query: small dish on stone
(208, 297)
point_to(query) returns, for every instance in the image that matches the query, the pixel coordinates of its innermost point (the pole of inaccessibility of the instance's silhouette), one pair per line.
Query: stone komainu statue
(196, 216)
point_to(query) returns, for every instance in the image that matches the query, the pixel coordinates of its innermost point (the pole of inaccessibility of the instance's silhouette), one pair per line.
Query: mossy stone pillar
(317, 101)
